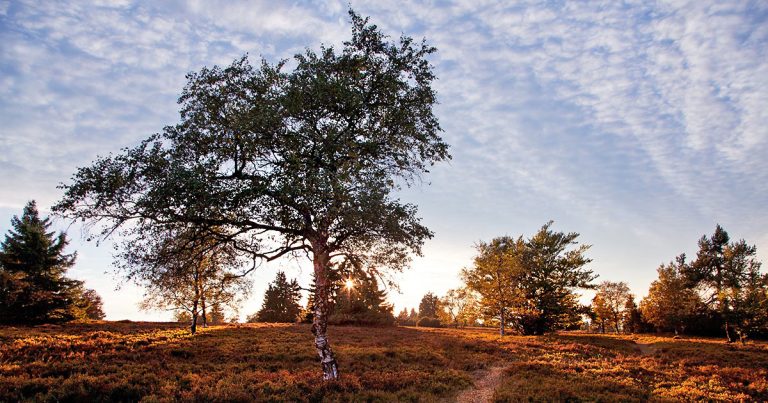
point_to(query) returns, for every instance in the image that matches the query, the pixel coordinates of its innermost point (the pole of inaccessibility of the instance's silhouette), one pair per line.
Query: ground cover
(113, 361)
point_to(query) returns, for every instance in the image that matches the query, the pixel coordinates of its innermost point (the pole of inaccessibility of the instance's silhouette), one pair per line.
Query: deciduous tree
(671, 302)
(495, 276)
(276, 162)
(609, 303)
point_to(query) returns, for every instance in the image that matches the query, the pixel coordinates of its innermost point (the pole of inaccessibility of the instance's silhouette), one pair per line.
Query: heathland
(129, 361)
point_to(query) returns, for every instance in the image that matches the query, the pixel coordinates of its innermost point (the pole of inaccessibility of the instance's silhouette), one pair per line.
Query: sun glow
(349, 284)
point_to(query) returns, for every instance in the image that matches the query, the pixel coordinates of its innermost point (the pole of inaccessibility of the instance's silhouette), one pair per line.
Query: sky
(638, 124)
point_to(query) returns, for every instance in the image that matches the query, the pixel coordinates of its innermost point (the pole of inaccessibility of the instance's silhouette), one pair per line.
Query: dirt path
(486, 383)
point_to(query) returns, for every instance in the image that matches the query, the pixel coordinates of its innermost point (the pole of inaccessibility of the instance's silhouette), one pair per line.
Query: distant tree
(183, 270)
(531, 282)
(402, 318)
(360, 301)
(306, 160)
(632, 319)
(552, 269)
(90, 305)
(671, 303)
(721, 269)
(601, 311)
(461, 305)
(495, 276)
(609, 303)
(753, 300)
(428, 306)
(281, 301)
(33, 285)
(413, 316)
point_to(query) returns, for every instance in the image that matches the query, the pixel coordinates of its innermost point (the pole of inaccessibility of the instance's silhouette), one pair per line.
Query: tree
(461, 306)
(282, 162)
(632, 320)
(33, 285)
(671, 303)
(600, 311)
(609, 303)
(429, 305)
(530, 283)
(495, 276)
(89, 305)
(360, 301)
(281, 301)
(721, 270)
(551, 270)
(183, 270)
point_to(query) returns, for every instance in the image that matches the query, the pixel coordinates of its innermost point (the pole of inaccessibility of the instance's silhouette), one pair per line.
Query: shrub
(429, 322)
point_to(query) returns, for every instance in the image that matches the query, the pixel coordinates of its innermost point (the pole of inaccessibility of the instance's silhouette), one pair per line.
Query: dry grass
(161, 362)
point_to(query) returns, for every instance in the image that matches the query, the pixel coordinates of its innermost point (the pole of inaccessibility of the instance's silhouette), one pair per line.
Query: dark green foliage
(551, 270)
(728, 274)
(428, 322)
(530, 284)
(281, 302)
(361, 302)
(33, 285)
(276, 162)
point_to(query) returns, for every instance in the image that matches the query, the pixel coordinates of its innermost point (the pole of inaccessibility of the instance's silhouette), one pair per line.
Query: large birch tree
(276, 162)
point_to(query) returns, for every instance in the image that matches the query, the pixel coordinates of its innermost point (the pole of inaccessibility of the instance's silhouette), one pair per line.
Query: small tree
(632, 320)
(360, 301)
(461, 306)
(281, 301)
(609, 303)
(33, 285)
(495, 277)
(182, 269)
(428, 306)
(90, 306)
(671, 303)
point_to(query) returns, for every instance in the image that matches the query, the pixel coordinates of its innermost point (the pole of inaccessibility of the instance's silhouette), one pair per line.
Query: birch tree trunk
(193, 326)
(320, 320)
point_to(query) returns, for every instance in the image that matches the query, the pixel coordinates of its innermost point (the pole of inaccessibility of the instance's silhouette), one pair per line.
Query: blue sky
(638, 124)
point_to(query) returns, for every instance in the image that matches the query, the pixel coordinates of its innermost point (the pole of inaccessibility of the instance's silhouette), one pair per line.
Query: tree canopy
(531, 283)
(275, 161)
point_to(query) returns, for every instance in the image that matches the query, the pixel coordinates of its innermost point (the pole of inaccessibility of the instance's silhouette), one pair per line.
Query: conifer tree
(281, 301)
(33, 285)
(361, 302)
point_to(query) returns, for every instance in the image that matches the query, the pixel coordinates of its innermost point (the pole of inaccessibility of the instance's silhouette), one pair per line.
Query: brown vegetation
(256, 362)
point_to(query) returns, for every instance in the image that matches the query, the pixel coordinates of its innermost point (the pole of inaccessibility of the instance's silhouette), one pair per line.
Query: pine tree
(281, 301)
(33, 285)
(361, 302)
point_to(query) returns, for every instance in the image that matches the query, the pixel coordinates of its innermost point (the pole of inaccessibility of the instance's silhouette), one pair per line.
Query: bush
(429, 322)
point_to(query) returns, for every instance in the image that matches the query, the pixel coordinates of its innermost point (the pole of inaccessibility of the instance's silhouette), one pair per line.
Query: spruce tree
(360, 301)
(33, 285)
(281, 301)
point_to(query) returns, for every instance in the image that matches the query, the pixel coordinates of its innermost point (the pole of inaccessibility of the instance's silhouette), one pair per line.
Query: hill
(116, 361)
